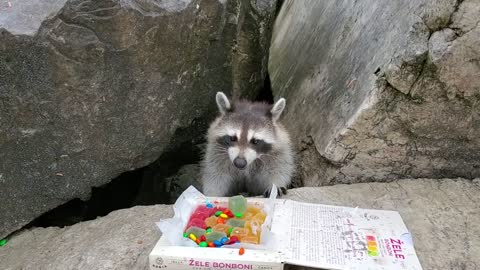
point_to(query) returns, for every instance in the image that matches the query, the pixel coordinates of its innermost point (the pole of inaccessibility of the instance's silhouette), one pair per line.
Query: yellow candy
(239, 232)
(223, 215)
(250, 239)
(193, 237)
(253, 226)
(252, 209)
(247, 216)
(260, 217)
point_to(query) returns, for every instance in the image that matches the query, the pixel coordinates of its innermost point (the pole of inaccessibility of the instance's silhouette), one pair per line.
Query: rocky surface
(385, 90)
(90, 89)
(440, 214)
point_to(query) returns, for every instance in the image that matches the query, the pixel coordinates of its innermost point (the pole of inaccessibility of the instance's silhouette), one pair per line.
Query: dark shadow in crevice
(265, 94)
(149, 185)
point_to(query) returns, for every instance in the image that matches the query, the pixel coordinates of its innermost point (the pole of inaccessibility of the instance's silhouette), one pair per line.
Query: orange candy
(241, 251)
(211, 221)
(221, 228)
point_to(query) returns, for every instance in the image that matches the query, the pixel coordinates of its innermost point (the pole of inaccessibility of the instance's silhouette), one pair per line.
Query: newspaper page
(331, 237)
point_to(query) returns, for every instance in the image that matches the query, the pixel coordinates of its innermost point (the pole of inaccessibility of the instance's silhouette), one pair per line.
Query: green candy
(238, 215)
(3, 242)
(198, 232)
(237, 204)
(215, 236)
(230, 230)
(209, 230)
(235, 222)
(185, 234)
(218, 213)
(203, 244)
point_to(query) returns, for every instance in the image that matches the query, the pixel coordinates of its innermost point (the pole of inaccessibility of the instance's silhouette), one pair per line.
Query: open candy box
(258, 233)
(220, 222)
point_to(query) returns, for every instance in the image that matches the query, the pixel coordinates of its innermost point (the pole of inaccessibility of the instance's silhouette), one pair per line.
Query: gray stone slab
(443, 216)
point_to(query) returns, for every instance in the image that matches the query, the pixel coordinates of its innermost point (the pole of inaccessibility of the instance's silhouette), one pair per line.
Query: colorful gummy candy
(214, 226)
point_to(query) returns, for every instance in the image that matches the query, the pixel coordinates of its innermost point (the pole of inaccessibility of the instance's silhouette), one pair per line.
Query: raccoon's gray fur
(248, 150)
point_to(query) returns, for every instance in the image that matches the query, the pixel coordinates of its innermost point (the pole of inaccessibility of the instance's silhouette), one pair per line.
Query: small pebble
(241, 251)
(203, 244)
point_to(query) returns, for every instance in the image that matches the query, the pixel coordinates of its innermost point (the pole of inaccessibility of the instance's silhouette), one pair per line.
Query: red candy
(203, 238)
(228, 213)
(233, 239)
(201, 213)
(197, 222)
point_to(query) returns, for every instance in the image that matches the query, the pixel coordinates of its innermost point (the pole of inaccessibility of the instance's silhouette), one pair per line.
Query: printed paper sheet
(333, 237)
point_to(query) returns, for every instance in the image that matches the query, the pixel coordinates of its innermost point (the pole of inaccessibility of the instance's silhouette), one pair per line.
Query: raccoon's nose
(240, 163)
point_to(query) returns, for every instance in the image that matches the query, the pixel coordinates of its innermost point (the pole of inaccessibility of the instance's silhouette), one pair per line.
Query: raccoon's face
(246, 131)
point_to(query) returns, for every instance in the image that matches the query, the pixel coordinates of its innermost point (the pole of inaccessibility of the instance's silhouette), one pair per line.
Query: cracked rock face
(90, 89)
(385, 90)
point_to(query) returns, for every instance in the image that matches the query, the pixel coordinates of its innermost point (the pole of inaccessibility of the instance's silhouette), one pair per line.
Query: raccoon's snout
(240, 163)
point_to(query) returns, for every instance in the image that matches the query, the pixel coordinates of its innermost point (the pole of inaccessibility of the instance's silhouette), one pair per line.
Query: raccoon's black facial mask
(227, 140)
(260, 146)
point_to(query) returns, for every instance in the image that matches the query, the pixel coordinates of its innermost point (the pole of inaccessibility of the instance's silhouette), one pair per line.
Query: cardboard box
(313, 235)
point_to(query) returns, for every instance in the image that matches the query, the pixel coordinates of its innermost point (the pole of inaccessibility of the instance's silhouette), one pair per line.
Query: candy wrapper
(173, 228)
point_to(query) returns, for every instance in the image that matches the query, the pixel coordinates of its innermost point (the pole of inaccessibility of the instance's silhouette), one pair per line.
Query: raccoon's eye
(255, 141)
(232, 138)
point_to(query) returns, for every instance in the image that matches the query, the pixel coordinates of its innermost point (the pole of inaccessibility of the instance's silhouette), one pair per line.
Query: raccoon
(248, 150)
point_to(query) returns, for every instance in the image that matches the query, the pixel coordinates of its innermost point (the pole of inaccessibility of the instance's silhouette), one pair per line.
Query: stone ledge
(441, 214)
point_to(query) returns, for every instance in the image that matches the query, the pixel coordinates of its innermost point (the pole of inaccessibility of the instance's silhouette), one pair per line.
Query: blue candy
(224, 240)
(217, 243)
(209, 205)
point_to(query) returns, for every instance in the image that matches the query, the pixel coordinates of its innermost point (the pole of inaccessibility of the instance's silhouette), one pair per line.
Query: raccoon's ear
(223, 103)
(278, 109)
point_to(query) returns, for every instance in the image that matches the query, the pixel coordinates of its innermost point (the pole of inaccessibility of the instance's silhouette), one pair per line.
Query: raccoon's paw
(280, 192)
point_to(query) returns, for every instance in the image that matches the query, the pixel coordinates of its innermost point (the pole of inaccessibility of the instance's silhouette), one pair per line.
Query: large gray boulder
(384, 89)
(90, 89)
(442, 215)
